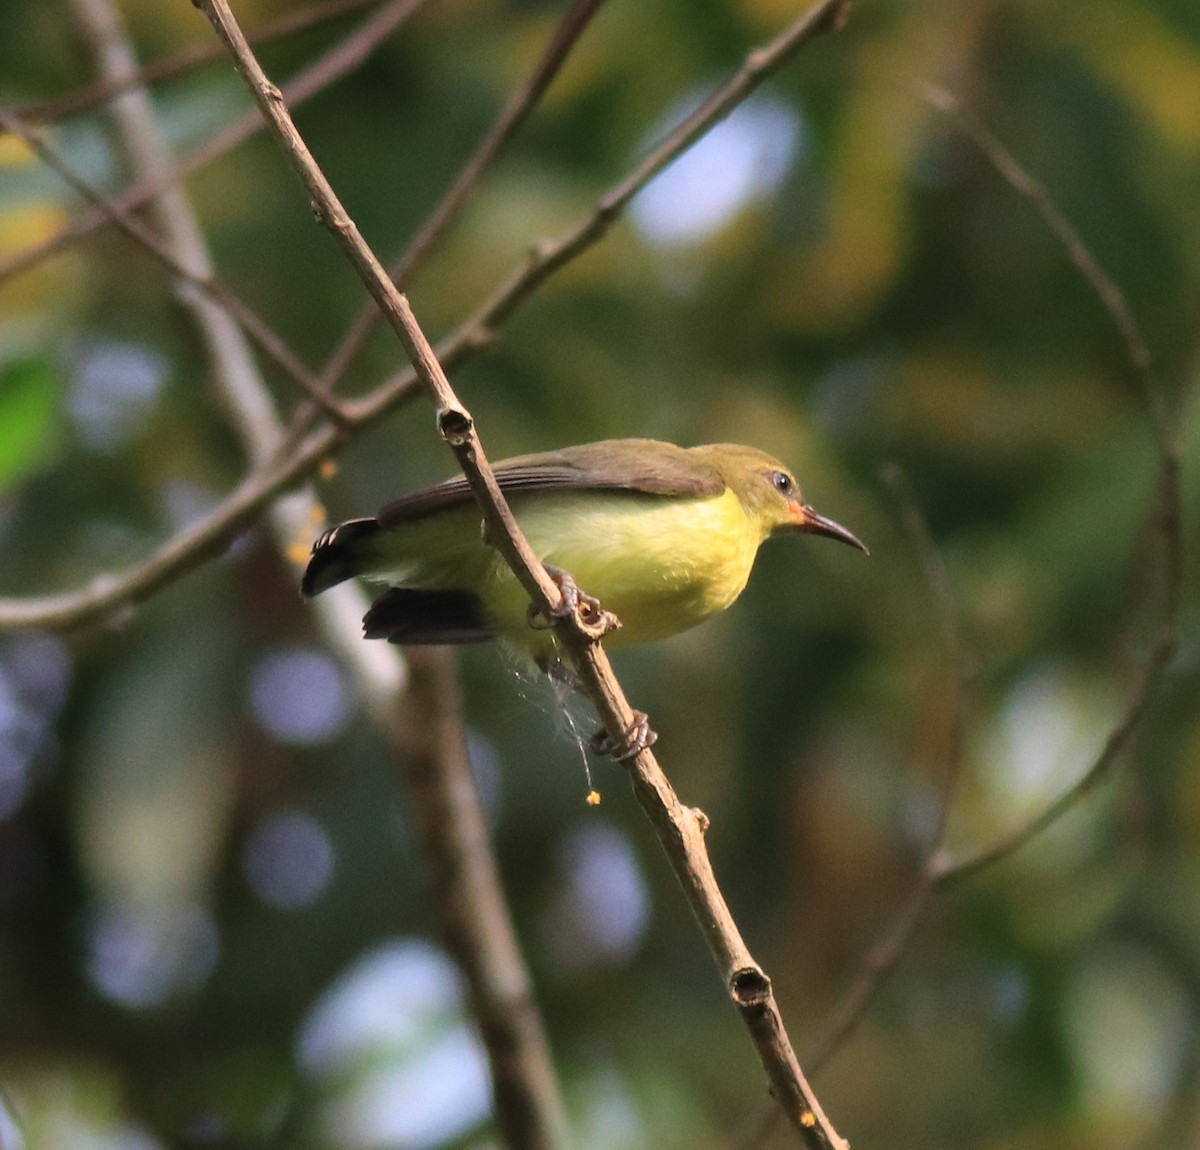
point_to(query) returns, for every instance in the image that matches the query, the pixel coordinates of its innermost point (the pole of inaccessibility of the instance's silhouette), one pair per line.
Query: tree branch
(882, 958)
(1165, 511)
(469, 899)
(214, 289)
(940, 869)
(514, 113)
(193, 56)
(680, 830)
(343, 57)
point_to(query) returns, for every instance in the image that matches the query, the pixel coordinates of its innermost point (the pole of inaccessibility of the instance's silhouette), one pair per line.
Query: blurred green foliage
(28, 402)
(202, 839)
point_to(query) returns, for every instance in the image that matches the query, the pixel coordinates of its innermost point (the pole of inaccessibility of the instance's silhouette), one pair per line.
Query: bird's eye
(782, 483)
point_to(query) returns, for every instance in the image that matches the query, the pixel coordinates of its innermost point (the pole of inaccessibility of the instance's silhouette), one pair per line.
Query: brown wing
(645, 466)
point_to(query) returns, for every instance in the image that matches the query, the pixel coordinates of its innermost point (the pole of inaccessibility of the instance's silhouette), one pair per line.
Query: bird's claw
(635, 740)
(592, 619)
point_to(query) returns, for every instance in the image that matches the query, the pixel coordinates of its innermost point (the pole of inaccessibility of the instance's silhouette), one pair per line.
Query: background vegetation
(213, 921)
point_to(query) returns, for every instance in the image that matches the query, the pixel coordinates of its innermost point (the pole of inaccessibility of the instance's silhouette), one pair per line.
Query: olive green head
(769, 493)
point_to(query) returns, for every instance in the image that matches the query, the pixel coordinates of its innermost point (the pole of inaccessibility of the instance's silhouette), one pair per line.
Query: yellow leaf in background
(29, 224)
(14, 152)
(833, 284)
(47, 286)
(1154, 67)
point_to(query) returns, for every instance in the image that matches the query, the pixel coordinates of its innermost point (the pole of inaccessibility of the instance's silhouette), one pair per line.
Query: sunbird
(663, 536)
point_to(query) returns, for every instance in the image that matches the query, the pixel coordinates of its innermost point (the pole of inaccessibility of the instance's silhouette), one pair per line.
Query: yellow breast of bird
(661, 565)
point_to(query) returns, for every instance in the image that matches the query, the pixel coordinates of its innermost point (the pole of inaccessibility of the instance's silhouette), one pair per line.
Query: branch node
(481, 337)
(938, 865)
(703, 822)
(455, 425)
(750, 987)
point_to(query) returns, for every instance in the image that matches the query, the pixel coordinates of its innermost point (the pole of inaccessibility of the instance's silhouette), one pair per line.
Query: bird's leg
(592, 619)
(635, 740)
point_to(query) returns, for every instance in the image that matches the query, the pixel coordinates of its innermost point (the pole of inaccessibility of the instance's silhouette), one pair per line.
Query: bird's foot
(592, 619)
(635, 740)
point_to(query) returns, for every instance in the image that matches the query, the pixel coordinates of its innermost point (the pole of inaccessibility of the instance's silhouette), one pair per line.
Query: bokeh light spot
(298, 695)
(603, 908)
(389, 1040)
(740, 162)
(289, 860)
(34, 677)
(140, 957)
(114, 388)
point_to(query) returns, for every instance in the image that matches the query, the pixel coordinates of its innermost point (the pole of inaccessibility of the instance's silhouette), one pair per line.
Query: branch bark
(680, 830)
(467, 898)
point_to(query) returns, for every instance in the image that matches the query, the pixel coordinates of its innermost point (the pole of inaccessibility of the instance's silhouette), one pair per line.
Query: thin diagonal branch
(193, 56)
(1165, 511)
(940, 868)
(269, 340)
(550, 256)
(109, 598)
(514, 113)
(468, 900)
(680, 829)
(886, 953)
(547, 258)
(431, 745)
(343, 57)
(1104, 287)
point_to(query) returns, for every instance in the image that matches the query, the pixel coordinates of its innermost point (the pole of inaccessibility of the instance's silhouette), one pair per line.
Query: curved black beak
(809, 522)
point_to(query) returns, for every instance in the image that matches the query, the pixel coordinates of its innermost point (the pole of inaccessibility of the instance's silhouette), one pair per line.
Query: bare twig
(1165, 513)
(940, 868)
(110, 597)
(947, 869)
(550, 256)
(1111, 297)
(343, 57)
(193, 56)
(514, 113)
(468, 900)
(430, 746)
(886, 953)
(680, 829)
(249, 320)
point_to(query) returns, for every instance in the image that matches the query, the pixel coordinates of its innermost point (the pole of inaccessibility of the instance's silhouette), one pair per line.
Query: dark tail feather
(337, 555)
(417, 617)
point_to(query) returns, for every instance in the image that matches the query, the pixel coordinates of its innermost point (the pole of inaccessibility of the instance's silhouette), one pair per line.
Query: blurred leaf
(27, 407)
